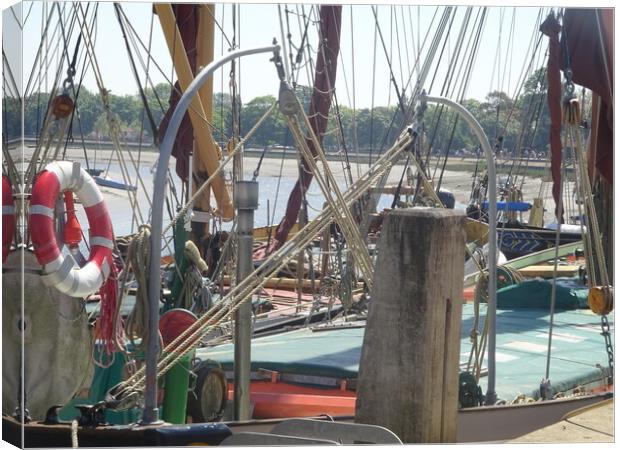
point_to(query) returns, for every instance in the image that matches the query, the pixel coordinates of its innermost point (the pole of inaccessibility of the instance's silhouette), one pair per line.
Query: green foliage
(520, 123)
(11, 118)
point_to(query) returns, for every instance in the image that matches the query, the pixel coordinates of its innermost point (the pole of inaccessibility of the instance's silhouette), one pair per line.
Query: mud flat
(593, 425)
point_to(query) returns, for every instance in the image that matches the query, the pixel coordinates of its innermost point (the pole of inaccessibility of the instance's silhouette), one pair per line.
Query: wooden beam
(546, 271)
(288, 283)
(197, 114)
(205, 42)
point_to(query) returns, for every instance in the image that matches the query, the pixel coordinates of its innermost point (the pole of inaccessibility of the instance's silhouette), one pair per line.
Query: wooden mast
(205, 42)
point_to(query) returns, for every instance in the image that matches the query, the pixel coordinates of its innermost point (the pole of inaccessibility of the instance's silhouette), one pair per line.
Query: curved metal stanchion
(491, 396)
(165, 149)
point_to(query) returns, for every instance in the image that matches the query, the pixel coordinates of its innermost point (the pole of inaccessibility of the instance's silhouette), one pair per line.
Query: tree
(523, 122)
(90, 108)
(11, 118)
(271, 131)
(222, 116)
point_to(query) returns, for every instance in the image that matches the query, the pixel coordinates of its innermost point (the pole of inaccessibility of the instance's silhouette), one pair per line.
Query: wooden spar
(205, 52)
(205, 41)
(197, 113)
(287, 283)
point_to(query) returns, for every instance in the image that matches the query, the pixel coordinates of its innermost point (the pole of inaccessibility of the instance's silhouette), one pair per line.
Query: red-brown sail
(187, 21)
(590, 56)
(324, 80)
(550, 27)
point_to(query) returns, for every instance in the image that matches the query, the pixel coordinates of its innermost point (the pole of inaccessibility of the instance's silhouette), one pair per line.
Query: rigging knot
(68, 82)
(414, 129)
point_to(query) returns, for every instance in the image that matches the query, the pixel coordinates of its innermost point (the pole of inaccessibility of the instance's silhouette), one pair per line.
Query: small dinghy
(110, 183)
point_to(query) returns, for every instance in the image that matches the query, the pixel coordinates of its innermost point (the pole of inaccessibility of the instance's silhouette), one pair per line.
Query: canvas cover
(56, 340)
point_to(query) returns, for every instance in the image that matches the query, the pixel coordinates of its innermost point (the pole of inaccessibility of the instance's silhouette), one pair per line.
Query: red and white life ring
(8, 217)
(57, 177)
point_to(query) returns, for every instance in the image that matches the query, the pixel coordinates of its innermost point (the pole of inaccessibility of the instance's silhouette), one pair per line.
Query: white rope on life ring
(8, 217)
(60, 271)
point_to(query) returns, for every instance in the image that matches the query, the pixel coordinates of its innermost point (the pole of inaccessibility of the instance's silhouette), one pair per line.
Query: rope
(325, 179)
(134, 70)
(113, 125)
(507, 276)
(554, 283)
(401, 103)
(191, 283)
(74, 434)
(107, 331)
(416, 90)
(244, 289)
(597, 270)
(138, 260)
(40, 155)
(183, 211)
(354, 109)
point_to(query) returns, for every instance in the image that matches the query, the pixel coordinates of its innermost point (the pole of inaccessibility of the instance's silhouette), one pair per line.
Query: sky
(504, 49)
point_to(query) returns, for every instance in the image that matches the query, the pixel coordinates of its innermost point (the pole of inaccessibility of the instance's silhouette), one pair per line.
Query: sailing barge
(284, 374)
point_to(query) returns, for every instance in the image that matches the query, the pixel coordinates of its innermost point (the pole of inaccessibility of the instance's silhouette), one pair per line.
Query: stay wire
(168, 79)
(76, 92)
(134, 70)
(385, 51)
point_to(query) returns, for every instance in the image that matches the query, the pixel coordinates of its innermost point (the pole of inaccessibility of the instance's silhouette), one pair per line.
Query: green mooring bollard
(176, 388)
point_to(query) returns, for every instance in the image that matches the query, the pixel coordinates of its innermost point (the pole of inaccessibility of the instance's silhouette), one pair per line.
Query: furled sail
(551, 28)
(324, 81)
(588, 49)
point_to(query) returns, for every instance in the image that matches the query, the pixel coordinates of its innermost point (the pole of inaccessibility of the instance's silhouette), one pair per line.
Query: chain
(608, 346)
(68, 82)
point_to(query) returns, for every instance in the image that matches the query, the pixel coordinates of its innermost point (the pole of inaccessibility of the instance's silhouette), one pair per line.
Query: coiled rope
(138, 261)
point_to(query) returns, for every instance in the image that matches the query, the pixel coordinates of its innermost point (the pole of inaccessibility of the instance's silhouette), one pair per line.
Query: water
(273, 197)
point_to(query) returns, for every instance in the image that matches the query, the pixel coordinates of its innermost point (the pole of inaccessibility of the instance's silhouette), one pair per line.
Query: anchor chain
(605, 331)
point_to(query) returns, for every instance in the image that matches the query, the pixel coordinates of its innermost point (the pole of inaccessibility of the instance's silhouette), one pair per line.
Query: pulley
(470, 394)
(62, 106)
(601, 299)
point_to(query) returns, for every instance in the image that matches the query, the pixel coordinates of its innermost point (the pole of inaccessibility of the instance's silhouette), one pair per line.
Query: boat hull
(517, 242)
(481, 424)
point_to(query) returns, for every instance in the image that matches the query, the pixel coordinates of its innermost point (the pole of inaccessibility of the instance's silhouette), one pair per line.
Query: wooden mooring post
(409, 369)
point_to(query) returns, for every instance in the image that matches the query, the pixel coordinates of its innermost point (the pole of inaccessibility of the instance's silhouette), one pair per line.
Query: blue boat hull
(106, 182)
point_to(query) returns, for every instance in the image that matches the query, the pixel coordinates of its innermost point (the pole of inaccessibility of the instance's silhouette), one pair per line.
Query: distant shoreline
(148, 153)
